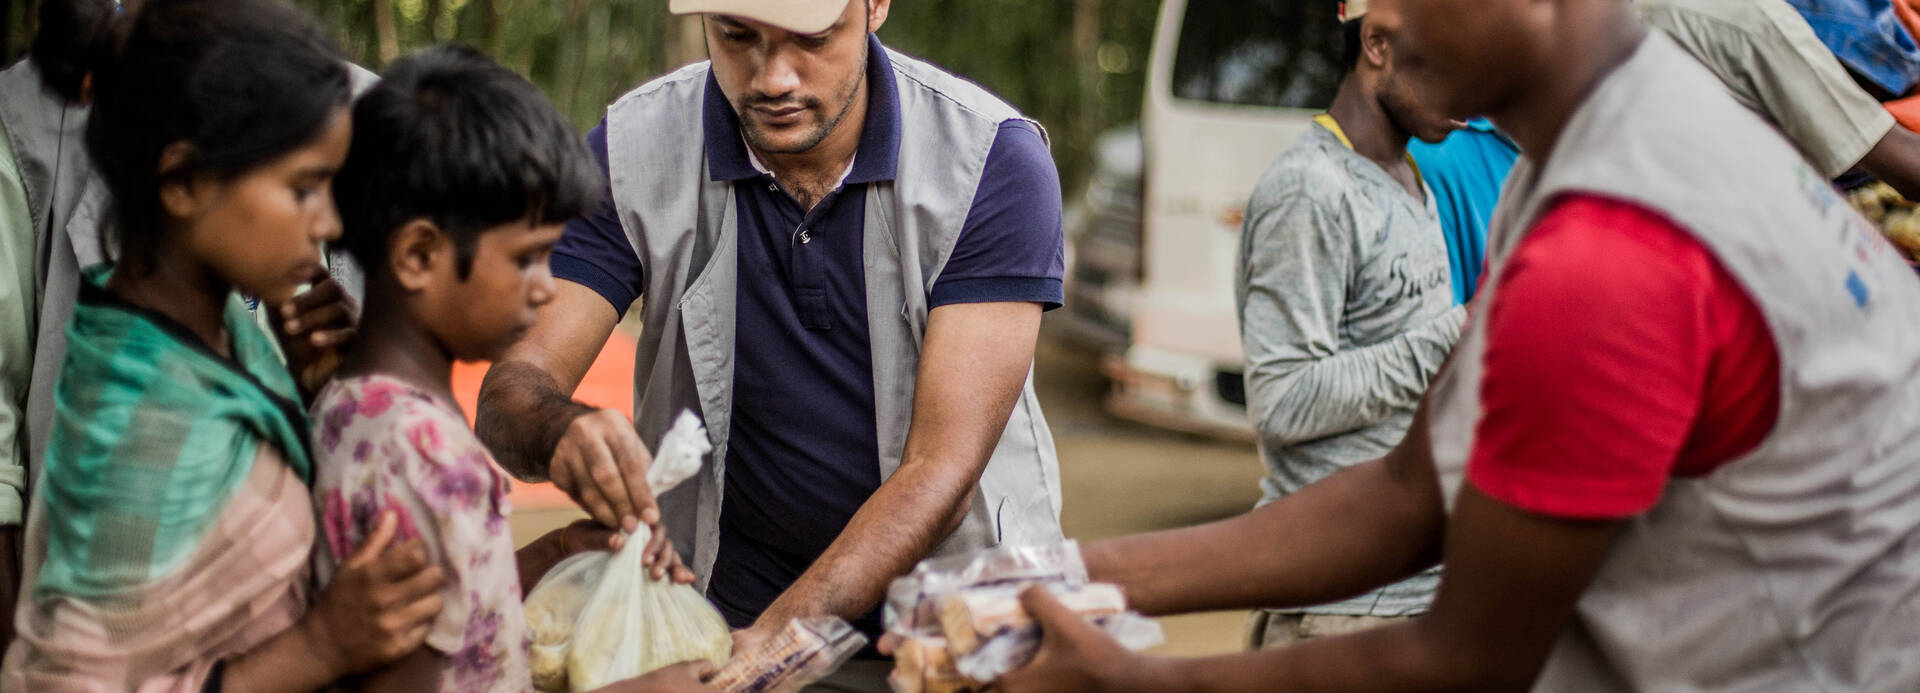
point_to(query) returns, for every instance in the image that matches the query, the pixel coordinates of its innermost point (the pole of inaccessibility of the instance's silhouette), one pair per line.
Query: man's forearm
(972, 371)
(1896, 160)
(1359, 529)
(1398, 657)
(523, 414)
(1352, 389)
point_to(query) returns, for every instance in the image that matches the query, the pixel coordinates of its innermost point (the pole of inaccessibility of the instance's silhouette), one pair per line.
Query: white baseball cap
(1349, 9)
(797, 16)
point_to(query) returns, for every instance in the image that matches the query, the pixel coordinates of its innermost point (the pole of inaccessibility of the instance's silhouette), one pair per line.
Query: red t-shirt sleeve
(1619, 354)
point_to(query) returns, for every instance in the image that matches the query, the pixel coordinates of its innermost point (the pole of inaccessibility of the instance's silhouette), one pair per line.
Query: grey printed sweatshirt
(1346, 312)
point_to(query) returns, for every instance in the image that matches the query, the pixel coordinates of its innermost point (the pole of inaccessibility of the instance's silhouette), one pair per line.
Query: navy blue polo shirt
(804, 451)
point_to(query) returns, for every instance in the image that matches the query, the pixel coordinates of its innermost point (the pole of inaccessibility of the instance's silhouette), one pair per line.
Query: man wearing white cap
(844, 253)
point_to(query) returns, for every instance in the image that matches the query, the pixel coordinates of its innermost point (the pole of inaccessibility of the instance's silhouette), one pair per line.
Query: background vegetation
(1078, 66)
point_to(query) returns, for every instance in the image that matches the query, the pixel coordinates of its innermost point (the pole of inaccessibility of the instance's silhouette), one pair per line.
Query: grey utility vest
(1797, 566)
(68, 203)
(682, 226)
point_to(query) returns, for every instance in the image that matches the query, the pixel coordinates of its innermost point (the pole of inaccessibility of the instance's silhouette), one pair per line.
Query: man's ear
(1375, 46)
(416, 252)
(181, 196)
(877, 13)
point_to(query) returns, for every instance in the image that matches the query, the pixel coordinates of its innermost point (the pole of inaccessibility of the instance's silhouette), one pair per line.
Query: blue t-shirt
(1868, 37)
(1465, 173)
(803, 455)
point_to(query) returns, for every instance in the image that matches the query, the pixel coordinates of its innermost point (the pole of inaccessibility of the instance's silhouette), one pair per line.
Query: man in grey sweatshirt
(1345, 305)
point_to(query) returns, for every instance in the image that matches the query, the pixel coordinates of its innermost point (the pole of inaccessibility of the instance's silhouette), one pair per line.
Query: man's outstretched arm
(528, 417)
(972, 369)
(1511, 584)
(1354, 531)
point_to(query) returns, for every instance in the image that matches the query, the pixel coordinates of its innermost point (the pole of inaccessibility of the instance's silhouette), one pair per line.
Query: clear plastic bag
(552, 610)
(1012, 649)
(804, 652)
(598, 618)
(913, 600)
(969, 605)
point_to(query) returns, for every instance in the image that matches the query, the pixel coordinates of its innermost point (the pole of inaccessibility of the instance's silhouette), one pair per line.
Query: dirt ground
(1117, 478)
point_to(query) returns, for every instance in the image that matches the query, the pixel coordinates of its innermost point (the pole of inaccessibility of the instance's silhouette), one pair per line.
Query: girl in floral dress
(454, 191)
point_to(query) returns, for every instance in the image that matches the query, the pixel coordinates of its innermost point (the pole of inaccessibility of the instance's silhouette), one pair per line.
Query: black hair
(450, 136)
(241, 82)
(74, 38)
(1350, 42)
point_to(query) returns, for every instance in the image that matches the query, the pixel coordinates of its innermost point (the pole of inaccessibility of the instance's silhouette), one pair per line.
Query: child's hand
(378, 608)
(314, 328)
(679, 678)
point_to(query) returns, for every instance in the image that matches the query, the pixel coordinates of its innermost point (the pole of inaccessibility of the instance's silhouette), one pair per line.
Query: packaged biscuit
(973, 616)
(804, 652)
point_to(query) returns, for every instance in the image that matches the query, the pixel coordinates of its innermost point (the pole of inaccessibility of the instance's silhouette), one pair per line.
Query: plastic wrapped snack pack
(969, 618)
(598, 618)
(1012, 649)
(804, 652)
(924, 666)
(913, 601)
(962, 624)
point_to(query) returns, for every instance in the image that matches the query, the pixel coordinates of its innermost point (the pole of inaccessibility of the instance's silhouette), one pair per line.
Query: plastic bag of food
(969, 606)
(551, 611)
(923, 665)
(1012, 649)
(598, 618)
(804, 652)
(912, 601)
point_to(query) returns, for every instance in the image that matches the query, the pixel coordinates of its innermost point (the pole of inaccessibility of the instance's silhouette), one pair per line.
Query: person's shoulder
(378, 407)
(1019, 146)
(970, 98)
(1594, 245)
(1310, 169)
(689, 82)
(1735, 14)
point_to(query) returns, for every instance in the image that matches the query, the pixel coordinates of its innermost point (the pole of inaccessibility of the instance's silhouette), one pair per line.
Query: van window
(1259, 52)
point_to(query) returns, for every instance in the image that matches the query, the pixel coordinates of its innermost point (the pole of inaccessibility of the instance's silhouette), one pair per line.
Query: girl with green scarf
(169, 535)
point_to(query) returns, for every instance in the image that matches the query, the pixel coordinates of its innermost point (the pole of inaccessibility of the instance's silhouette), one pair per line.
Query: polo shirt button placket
(805, 237)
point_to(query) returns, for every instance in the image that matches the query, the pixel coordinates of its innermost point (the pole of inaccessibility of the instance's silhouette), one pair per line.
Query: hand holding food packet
(962, 624)
(599, 617)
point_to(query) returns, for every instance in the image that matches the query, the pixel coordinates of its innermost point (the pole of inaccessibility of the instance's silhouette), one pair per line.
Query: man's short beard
(760, 141)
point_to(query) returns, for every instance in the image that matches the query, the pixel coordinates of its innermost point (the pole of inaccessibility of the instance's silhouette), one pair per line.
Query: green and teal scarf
(153, 433)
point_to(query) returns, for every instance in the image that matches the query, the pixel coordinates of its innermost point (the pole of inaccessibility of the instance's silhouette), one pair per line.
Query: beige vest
(1796, 567)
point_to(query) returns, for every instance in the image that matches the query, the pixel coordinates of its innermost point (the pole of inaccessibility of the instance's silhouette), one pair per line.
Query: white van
(1230, 84)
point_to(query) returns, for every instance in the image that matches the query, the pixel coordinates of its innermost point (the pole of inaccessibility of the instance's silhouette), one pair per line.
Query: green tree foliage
(1078, 66)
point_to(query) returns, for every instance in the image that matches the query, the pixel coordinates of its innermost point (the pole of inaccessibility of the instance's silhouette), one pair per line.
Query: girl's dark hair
(450, 136)
(240, 82)
(74, 38)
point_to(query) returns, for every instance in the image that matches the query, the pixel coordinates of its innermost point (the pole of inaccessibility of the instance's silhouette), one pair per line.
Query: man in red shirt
(1677, 450)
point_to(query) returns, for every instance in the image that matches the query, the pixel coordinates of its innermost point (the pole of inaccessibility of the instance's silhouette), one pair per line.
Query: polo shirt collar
(876, 159)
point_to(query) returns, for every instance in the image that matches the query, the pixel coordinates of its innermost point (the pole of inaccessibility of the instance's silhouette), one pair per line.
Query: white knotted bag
(600, 617)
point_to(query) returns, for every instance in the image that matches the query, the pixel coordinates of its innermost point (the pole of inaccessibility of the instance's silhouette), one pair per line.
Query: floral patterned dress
(382, 444)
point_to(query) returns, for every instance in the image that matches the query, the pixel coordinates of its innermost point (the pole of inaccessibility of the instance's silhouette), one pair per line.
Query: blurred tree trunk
(489, 26)
(431, 20)
(686, 41)
(383, 29)
(571, 60)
